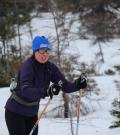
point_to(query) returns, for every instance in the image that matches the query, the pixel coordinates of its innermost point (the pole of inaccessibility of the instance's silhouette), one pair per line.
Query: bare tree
(62, 33)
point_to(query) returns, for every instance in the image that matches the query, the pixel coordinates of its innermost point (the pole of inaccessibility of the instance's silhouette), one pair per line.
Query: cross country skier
(34, 77)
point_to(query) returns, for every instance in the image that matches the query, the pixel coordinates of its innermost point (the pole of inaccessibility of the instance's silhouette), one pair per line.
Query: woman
(34, 77)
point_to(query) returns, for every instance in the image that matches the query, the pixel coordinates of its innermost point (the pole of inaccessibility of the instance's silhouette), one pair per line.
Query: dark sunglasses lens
(44, 50)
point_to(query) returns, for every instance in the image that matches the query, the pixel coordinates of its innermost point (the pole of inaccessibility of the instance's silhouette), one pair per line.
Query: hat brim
(45, 46)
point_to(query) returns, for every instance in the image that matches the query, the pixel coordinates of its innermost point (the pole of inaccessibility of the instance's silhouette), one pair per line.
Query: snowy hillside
(86, 49)
(95, 123)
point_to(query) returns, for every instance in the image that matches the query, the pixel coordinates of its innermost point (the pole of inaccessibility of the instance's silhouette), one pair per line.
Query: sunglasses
(44, 50)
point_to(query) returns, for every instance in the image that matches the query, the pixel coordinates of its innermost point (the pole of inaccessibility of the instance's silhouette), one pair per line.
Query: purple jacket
(33, 80)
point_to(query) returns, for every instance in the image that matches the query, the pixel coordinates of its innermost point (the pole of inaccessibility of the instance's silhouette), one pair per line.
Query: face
(42, 55)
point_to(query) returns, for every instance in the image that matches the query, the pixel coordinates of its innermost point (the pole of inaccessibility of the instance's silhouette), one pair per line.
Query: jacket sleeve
(57, 76)
(27, 89)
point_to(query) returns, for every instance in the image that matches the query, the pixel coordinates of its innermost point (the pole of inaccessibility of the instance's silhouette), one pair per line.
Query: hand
(54, 89)
(81, 82)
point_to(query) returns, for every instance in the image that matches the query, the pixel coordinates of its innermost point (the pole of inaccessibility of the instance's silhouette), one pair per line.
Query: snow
(95, 123)
(45, 26)
(87, 52)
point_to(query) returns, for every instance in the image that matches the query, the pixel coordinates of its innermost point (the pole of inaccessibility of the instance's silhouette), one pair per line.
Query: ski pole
(78, 103)
(39, 118)
(78, 110)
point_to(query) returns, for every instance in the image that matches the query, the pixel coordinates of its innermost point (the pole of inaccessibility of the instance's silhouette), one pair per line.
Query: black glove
(54, 89)
(81, 83)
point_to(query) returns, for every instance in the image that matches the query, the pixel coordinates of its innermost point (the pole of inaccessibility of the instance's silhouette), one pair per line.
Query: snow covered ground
(96, 123)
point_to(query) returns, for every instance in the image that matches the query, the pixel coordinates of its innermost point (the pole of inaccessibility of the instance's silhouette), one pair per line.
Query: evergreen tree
(116, 106)
(13, 14)
(116, 112)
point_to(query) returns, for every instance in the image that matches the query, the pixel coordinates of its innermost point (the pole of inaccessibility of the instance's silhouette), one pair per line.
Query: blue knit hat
(40, 42)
